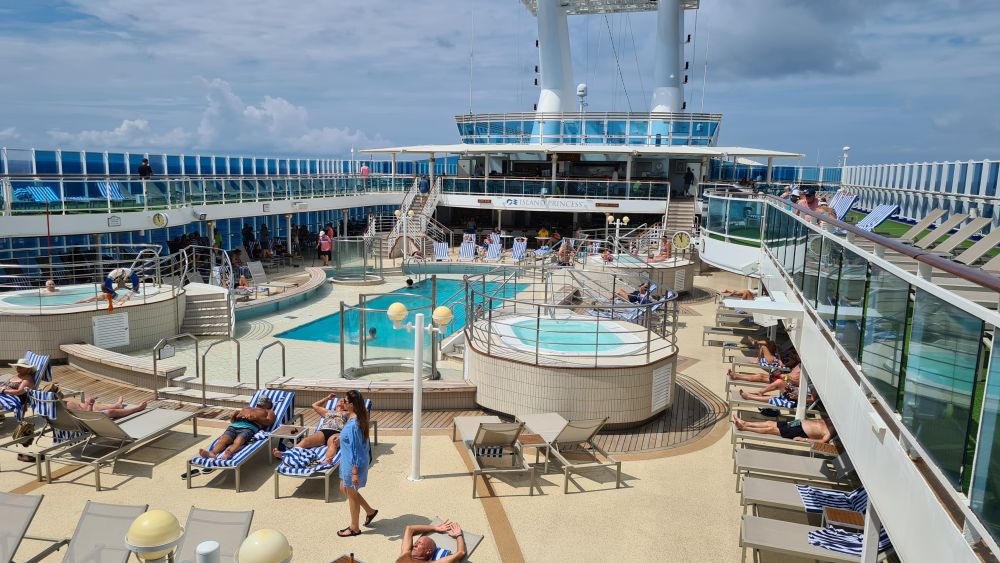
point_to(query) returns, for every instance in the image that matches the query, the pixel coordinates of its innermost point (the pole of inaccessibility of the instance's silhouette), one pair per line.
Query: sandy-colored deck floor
(676, 505)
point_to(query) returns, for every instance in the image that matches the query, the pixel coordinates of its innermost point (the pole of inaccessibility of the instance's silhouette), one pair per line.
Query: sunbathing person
(422, 548)
(332, 421)
(113, 410)
(774, 375)
(16, 388)
(788, 396)
(745, 294)
(607, 256)
(640, 296)
(818, 430)
(244, 284)
(664, 254)
(246, 422)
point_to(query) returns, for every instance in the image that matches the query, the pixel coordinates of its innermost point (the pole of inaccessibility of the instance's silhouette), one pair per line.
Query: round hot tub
(65, 296)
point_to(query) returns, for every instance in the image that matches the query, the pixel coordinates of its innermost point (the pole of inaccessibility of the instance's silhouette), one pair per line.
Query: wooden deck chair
(972, 228)
(978, 249)
(467, 252)
(993, 266)
(941, 231)
(921, 225)
(571, 437)
(494, 252)
(99, 535)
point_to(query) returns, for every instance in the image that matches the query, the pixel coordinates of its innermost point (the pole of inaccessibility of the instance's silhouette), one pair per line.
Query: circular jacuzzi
(570, 336)
(65, 296)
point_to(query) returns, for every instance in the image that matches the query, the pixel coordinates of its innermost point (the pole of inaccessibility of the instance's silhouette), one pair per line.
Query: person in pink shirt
(809, 200)
(325, 246)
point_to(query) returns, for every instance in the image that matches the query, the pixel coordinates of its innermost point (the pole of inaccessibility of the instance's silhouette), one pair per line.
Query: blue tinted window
(220, 165)
(71, 163)
(616, 128)
(116, 163)
(991, 179)
(45, 162)
(173, 165)
(272, 166)
(640, 128)
(282, 166)
(551, 127)
(95, 163)
(206, 164)
(595, 127)
(681, 128)
(134, 160)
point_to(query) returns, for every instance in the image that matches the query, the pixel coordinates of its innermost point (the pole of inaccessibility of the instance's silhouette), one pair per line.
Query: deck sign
(111, 331)
(662, 383)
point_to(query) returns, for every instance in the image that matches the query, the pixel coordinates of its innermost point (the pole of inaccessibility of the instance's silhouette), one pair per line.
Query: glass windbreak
(717, 215)
(941, 367)
(851, 302)
(884, 333)
(985, 493)
(828, 282)
(810, 274)
(744, 218)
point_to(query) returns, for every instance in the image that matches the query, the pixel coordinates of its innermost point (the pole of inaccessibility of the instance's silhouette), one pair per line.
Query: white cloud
(9, 134)
(131, 134)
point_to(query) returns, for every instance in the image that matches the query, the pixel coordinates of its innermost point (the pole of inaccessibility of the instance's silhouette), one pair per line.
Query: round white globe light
(153, 530)
(397, 312)
(442, 316)
(265, 546)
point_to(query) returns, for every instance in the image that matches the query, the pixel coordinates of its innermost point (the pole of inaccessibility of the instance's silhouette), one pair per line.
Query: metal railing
(261, 353)
(582, 188)
(156, 356)
(205, 356)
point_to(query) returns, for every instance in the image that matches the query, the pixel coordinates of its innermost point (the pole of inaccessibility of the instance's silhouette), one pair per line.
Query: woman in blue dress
(354, 460)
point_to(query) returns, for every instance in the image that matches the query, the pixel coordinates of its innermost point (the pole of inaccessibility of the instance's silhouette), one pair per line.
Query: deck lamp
(265, 546)
(441, 317)
(154, 535)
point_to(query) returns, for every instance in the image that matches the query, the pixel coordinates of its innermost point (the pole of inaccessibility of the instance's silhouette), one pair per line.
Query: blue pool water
(327, 329)
(567, 335)
(67, 295)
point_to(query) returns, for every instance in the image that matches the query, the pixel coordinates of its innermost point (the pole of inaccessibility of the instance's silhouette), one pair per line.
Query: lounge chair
(307, 463)
(40, 361)
(788, 538)
(793, 467)
(741, 438)
(518, 250)
(467, 252)
(227, 528)
(56, 417)
(941, 231)
(972, 228)
(978, 249)
(446, 545)
(18, 511)
(284, 411)
(493, 252)
(877, 216)
(487, 440)
(843, 205)
(260, 277)
(922, 225)
(736, 402)
(99, 535)
(563, 436)
(441, 252)
(759, 492)
(992, 266)
(109, 439)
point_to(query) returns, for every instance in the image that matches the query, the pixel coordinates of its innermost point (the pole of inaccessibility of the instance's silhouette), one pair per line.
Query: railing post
(342, 371)
(538, 330)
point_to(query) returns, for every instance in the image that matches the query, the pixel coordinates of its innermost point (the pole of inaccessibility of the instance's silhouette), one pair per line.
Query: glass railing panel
(213, 191)
(196, 191)
(851, 301)
(810, 272)
(828, 283)
(716, 215)
(985, 490)
(744, 218)
(156, 194)
(234, 191)
(941, 366)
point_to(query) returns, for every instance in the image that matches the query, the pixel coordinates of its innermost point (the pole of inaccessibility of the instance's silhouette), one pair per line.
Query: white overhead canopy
(574, 7)
(548, 148)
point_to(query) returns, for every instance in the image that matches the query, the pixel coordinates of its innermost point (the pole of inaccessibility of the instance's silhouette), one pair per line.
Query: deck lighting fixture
(154, 535)
(265, 546)
(441, 317)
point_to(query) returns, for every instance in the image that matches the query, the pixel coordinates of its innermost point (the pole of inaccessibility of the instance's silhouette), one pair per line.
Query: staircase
(680, 216)
(207, 312)
(422, 229)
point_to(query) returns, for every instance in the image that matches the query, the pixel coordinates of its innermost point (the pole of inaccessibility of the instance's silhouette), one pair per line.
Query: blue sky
(899, 81)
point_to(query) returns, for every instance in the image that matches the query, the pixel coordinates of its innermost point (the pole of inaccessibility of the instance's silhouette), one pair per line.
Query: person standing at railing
(325, 246)
(365, 172)
(145, 170)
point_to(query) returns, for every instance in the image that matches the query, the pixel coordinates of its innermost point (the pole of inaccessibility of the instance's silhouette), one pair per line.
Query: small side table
(843, 518)
(347, 558)
(286, 432)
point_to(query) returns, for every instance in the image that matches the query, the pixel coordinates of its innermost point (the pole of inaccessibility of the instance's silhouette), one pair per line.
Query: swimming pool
(571, 336)
(67, 295)
(327, 329)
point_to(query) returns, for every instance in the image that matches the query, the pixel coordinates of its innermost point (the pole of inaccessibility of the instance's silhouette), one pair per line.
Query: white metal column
(555, 62)
(668, 88)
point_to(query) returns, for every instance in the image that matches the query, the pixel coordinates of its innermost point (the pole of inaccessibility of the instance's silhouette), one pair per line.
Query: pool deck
(677, 503)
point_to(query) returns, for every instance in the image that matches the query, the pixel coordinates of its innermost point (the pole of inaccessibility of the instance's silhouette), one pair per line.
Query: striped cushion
(283, 412)
(42, 402)
(245, 452)
(440, 553)
(877, 216)
(496, 451)
(299, 462)
(845, 204)
(10, 403)
(814, 499)
(40, 361)
(848, 543)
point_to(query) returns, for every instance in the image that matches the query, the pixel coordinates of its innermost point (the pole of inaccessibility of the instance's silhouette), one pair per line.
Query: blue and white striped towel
(10, 403)
(848, 543)
(815, 499)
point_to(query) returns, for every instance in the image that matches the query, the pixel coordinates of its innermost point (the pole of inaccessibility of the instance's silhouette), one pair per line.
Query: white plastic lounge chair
(981, 247)
(307, 463)
(109, 439)
(794, 467)
(441, 251)
(941, 231)
(518, 250)
(260, 277)
(18, 511)
(467, 252)
(284, 411)
(493, 252)
(921, 225)
(488, 442)
(758, 492)
(571, 437)
(99, 535)
(446, 545)
(970, 229)
(877, 216)
(789, 538)
(229, 529)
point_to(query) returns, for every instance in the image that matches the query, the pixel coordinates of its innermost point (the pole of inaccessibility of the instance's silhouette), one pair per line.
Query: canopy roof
(574, 7)
(548, 148)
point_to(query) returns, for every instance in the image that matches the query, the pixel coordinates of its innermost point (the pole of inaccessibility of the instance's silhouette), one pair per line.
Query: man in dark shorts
(245, 424)
(818, 430)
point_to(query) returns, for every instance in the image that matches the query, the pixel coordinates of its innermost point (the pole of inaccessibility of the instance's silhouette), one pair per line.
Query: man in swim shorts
(819, 430)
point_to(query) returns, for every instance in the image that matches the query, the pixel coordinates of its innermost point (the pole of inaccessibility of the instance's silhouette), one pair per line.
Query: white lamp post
(843, 161)
(441, 317)
(154, 535)
(618, 225)
(406, 246)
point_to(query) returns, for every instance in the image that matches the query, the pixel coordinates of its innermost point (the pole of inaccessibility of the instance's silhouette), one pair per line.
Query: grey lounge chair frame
(119, 436)
(793, 467)
(445, 541)
(227, 528)
(62, 422)
(772, 494)
(576, 436)
(18, 512)
(947, 246)
(738, 402)
(789, 538)
(502, 435)
(979, 248)
(99, 532)
(922, 225)
(942, 230)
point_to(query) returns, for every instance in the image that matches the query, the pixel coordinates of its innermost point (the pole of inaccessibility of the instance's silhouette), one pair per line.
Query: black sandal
(349, 532)
(370, 517)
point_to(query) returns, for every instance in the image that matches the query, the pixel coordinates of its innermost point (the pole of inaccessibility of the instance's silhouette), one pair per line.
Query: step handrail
(161, 344)
(204, 399)
(261, 353)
